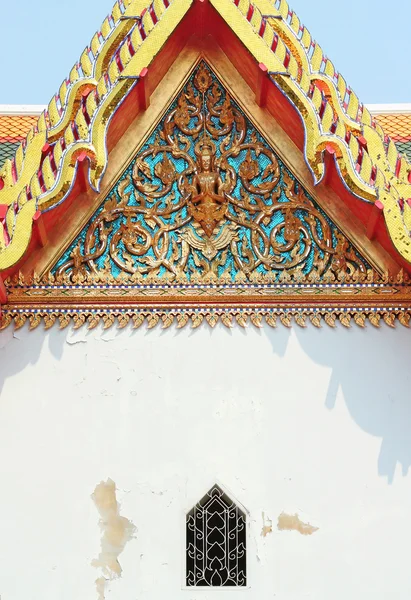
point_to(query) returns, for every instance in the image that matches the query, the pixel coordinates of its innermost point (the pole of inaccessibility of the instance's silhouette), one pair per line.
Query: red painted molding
(82, 172)
(3, 292)
(262, 85)
(143, 95)
(41, 230)
(376, 213)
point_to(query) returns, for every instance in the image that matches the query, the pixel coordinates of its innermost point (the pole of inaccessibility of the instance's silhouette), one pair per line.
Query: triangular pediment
(206, 199)
(207, 211)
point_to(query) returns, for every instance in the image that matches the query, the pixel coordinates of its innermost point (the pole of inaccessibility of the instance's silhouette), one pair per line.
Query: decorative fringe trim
(195, 318)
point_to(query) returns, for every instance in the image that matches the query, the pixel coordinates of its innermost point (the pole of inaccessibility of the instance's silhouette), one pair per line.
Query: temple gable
(207, 199)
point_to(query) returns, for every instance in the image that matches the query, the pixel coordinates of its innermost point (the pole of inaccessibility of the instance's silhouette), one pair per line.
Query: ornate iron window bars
(216, 542)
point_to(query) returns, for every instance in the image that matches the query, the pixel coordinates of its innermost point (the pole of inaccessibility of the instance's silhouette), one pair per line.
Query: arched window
(216, 542)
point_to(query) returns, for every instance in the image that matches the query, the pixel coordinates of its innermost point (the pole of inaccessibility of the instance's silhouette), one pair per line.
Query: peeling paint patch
(77, 336)
(267, 526)
(116, 532)
(293, 523)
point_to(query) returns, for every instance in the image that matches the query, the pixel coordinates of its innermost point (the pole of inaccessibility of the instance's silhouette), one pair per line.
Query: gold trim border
(195, 317)
(108, 301)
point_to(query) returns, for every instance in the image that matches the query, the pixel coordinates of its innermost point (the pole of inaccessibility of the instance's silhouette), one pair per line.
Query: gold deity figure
(207, 202)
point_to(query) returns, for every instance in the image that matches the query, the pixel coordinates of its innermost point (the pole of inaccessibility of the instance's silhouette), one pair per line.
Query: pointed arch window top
(216, 542)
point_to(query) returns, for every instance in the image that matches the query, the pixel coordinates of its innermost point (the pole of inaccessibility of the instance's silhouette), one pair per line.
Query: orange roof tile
(398, 127)
(14, 128)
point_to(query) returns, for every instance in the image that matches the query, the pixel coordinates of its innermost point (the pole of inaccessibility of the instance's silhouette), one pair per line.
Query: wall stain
(293, 523)
(116, 531)
(267, 526)
(101, 587)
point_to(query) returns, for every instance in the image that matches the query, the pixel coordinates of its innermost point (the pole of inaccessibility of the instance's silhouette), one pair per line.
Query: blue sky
(368, 41)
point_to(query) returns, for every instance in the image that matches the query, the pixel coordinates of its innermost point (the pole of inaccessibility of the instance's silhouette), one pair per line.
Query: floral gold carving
(207, 195)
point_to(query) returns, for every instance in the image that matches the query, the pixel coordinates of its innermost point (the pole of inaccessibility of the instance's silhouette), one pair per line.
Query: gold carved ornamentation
(194, 318)
(208, 196)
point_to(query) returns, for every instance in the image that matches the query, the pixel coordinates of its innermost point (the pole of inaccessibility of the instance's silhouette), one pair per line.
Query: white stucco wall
(314, 422)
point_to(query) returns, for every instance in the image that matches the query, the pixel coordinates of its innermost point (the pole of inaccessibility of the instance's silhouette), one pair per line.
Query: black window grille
(216, 542)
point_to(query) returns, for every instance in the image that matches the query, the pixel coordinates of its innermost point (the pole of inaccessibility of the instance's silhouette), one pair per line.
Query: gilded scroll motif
(207, 195)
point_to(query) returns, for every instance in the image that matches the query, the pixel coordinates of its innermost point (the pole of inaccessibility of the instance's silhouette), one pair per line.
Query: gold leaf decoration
(123, 320)
(152, 320)
(249, 168)
(241, 319)
(35, 321)
(285, 319)
(329, 318)
(315, 319)
(345, 319)
(374, 318)
(49, 320)
(359, 319)
(227, 319)
(93, 321)
(389, 319)
(271, 320)
(108, 320)
(256, 320)
(78, 320)
(64, 320)
(168, 320)
(212, 319)
(138, 320)
(404, 319)
(182, 320)
(202, 80)
(19, 321)
(5, 321)
(165, 170)
(197, 319)
(300, 320)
